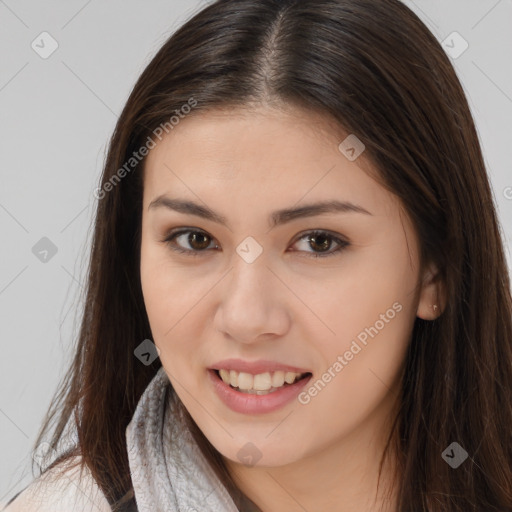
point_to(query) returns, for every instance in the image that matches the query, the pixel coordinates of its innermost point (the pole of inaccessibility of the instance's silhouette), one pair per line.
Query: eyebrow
(276, 218)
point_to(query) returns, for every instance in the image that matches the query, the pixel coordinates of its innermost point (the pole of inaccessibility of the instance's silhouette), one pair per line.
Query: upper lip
(255, 367)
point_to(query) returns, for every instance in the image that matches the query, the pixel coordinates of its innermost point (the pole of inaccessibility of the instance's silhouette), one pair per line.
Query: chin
(254, 454)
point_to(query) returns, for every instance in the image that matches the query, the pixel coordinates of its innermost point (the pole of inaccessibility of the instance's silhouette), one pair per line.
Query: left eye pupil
(323, 246)
(193, 239)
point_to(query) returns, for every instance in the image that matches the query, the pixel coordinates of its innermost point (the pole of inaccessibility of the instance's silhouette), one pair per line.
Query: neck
(343, 477)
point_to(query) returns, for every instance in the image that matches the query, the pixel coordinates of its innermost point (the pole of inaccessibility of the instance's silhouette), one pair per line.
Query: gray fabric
(169, 472)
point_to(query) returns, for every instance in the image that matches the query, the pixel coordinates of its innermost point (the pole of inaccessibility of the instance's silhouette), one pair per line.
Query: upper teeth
(259, 382)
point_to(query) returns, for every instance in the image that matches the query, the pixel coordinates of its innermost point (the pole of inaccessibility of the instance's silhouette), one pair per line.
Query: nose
(254, 303)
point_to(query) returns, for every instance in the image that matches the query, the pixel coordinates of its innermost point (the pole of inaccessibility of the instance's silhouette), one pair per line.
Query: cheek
(159, 281)
(172, 301)
(161, 304)
(153, 285)
(370, 311)
(368, 283)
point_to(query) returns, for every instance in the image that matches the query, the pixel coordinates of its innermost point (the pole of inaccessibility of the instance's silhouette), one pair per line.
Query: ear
(432, 293)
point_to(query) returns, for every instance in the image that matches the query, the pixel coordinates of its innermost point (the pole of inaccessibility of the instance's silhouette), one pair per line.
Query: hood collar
(168, 470)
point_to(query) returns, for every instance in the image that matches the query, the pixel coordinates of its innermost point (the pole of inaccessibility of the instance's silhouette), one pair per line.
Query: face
(331, 293)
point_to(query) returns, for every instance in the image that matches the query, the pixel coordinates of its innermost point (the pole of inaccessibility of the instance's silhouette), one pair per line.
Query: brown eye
(198, 241)
(321, 242)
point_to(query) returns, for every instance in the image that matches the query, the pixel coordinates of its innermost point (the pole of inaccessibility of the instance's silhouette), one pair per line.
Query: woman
(297, 297)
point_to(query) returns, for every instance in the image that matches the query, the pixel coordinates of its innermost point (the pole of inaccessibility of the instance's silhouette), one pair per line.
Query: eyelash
(169, 240)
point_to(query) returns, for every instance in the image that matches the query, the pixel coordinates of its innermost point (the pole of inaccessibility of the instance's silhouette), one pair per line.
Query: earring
(434, 307)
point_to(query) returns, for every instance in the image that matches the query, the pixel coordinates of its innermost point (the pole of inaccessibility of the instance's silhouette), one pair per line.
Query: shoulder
(61, 489)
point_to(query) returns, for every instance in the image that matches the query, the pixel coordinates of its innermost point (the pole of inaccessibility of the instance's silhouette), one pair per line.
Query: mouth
(260, 384)
(245, 399)
(256, 387)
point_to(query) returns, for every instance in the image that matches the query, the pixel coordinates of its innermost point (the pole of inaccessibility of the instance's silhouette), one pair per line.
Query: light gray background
(57, 115)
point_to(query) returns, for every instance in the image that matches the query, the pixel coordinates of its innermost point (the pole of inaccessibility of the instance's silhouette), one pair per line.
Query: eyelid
(173, 233)
(336, 237)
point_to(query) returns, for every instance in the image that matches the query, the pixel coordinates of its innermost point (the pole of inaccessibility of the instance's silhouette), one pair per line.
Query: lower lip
(255, 404)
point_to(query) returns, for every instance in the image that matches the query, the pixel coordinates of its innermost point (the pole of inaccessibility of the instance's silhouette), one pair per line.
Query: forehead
(264, 155)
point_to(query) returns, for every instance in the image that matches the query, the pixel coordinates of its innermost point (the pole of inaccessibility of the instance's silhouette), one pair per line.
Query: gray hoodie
(169, 473)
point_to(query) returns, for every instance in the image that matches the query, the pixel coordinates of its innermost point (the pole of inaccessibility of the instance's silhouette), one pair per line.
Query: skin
(287, 305)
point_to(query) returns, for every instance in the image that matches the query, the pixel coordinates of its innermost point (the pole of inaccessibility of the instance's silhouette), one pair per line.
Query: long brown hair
(375, 69)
